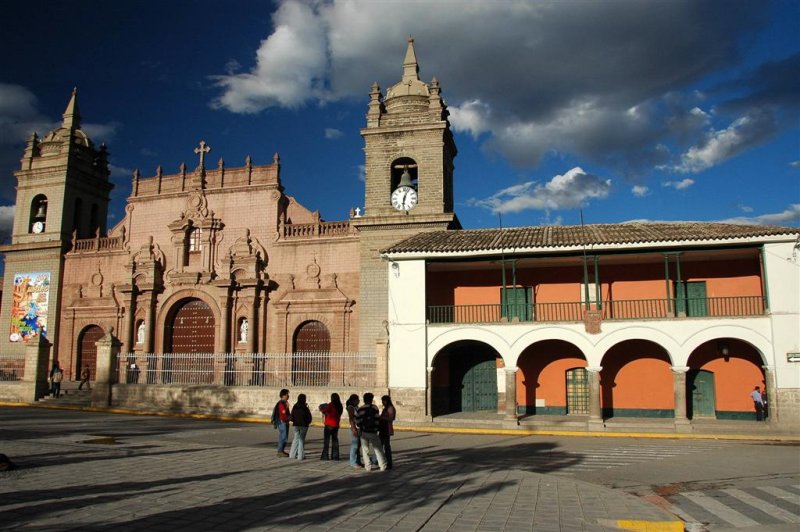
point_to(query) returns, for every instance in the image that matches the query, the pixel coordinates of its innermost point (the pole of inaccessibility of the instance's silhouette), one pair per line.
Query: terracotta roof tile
(467, 240)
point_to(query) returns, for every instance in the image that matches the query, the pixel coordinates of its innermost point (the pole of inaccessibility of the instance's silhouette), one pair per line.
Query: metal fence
(324, 369)
(12, 368)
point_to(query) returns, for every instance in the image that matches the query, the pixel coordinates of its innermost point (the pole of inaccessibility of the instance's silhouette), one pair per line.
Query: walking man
(367, 422)
(281, 415)
(758, 403)
(85, 374)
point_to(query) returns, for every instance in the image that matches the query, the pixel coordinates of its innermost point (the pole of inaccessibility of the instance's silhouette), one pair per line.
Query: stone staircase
(70, 396)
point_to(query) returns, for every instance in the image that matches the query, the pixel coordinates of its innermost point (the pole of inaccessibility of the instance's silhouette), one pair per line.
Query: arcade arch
(465, 378)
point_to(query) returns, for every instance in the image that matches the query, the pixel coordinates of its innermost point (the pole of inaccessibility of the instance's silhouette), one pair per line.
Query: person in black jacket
(301, 418)
(367, 422)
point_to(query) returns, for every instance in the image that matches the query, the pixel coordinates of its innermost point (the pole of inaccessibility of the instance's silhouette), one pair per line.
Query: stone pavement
(166, 474)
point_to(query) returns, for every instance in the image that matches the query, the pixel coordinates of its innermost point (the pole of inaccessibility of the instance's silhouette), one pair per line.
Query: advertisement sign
(29, 306)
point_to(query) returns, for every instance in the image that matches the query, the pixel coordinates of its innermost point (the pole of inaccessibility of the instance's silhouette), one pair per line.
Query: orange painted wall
(636, 374)
(542, 372)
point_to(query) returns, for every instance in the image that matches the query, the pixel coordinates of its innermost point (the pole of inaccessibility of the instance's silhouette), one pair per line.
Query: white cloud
(362, 173)
(744, 208)
(640, 191)
(721, 145)
(795, 164)
(513, 71)
(472, 117)
(787, 216)
(118, 172)
(333, 133)
(291, 64)
(679, 185)
(570, 190)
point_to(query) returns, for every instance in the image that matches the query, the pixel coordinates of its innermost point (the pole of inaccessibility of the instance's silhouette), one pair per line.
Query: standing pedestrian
(56, 376)
(367, 422)
(386, 428)
(758, 403)
(355, 440)
(85, 374)
(281, 415)
(333, 414)
(301, 418)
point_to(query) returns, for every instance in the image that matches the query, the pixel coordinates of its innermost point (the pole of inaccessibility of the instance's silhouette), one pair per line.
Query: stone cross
(202, 150)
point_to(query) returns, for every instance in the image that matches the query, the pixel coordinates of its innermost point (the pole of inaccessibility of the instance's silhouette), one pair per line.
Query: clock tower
(409, 152)
(62, 192)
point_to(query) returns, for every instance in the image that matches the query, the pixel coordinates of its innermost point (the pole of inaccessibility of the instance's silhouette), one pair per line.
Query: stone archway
(190, 339)
(87, 350)
(465, 378)
(311, 347)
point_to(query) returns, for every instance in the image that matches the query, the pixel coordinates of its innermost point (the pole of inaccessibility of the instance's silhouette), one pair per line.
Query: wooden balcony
(640, 309)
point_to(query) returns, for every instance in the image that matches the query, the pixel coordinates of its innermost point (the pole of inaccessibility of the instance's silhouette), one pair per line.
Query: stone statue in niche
(140, 333)
(243, 331)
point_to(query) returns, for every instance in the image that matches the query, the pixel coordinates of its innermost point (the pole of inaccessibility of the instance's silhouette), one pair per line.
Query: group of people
(371, 429)
(57, 375)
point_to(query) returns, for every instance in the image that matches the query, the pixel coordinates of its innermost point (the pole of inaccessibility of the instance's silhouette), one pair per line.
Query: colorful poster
(29, 306)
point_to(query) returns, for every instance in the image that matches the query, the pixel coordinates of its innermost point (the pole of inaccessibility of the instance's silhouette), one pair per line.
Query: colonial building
(217, 288)
(571, 326)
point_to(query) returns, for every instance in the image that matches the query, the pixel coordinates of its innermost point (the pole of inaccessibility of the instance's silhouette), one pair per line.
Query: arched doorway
(465, 378)
(552, 380)
(311, 359)
(702, 401)
(87, 350)
(722, 374)
(190, 336)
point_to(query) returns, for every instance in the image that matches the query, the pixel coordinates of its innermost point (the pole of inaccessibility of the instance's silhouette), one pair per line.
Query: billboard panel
(29, 306)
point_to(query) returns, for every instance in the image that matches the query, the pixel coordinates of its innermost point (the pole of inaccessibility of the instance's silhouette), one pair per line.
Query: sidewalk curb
(442, 430)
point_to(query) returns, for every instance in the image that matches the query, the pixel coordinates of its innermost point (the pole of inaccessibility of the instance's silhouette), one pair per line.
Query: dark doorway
(701, 388)
(87, 350)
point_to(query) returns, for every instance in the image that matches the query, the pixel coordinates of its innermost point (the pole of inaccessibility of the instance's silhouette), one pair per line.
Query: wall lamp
(396, 269)
(723, 349)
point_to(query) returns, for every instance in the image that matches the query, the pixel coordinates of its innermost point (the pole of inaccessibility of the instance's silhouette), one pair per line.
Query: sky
(623, 110)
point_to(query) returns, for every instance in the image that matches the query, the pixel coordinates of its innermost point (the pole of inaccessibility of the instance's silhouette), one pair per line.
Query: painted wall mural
(29, 306)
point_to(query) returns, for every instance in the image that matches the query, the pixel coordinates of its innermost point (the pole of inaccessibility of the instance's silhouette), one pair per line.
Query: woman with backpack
(301, 418)
(333, 414)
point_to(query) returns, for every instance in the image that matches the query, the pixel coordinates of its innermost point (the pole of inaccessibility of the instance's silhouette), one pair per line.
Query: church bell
(405, 178)
(41, 213)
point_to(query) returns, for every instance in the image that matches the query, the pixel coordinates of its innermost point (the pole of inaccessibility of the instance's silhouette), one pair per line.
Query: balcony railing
(637, 309)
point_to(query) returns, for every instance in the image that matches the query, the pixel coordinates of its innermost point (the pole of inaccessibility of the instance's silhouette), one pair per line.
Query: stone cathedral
(219, 259)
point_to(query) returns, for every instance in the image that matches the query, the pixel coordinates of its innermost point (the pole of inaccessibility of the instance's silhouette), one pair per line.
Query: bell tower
(62, 191)
(409, 152)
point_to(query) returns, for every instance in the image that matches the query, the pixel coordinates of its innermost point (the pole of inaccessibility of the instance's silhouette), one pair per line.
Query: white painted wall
(783, 283)
(407, 327)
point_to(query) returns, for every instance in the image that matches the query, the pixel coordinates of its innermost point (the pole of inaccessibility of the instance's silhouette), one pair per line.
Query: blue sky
(628, 110)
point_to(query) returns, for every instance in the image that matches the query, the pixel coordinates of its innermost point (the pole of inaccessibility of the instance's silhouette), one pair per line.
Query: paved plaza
(95, 471)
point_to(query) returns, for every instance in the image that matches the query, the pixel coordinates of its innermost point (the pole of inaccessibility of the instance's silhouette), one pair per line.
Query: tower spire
(410, 66)
(72, 115)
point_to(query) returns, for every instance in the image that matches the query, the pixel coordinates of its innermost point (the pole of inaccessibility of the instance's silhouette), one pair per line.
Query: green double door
(479, 385)
(691, 298)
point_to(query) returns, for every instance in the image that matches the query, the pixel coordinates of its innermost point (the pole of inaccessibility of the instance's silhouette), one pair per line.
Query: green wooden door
(479, 387)
(701, 385)
(516, 303)
(691, 298)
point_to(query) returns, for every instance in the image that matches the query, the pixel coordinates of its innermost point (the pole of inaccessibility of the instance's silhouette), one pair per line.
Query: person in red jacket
(333, 414)
(281, 415)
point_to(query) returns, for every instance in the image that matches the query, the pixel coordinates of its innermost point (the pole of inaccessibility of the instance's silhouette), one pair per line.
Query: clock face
(38, 227)
(404, 198)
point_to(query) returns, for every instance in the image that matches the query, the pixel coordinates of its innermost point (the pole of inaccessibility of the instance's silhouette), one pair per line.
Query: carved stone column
(595, 412)
(149, 321)
(224, 341)
(129, 303)
(106, 373)
(771, 394)
(679, 393)
(511, 395)
(252, 323)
